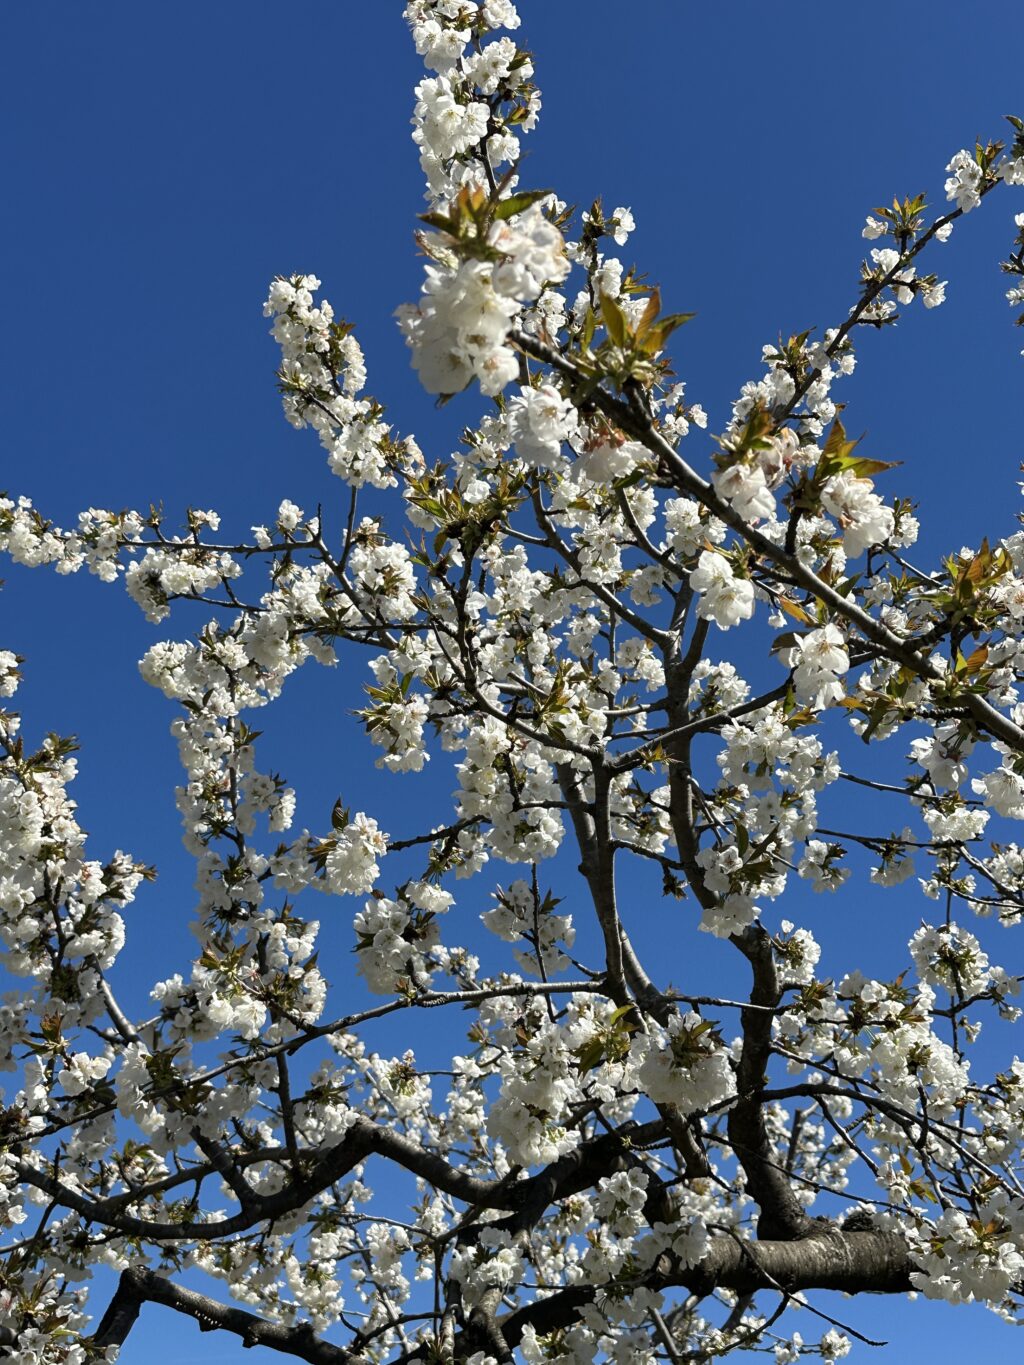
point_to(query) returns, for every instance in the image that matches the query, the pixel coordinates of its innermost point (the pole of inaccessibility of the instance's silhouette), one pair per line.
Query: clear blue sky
(162, 162)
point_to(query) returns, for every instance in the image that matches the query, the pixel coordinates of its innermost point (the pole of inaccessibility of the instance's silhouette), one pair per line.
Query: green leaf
(614, 320)
(786, 640)
(589, 324)
(590, 1054)
(647, 317)
(622, 1012)
(980, 564)
(836, 442)
(851, 703)
(838, 457)
(795, 610)
(516, 203)
(977, 659)
(657, 337)
(441, 221)
(973, 663)
(673, 320)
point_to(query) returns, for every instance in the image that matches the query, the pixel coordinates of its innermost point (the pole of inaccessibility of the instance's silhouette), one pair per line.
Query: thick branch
(576, 1171)
(851, 1263)
(782, 1215)
(590, 823)
(363, 1139)
(140, 1285)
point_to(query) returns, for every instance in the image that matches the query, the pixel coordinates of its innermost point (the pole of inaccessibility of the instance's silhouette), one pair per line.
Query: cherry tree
(610, 1162)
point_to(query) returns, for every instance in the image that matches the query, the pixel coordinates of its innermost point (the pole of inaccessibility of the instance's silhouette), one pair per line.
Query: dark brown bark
(851, 1263)
(782, 1215)
(140, 1285)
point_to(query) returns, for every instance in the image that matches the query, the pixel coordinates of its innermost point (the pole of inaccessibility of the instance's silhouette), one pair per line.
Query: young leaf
(516, 203)
(614, 320)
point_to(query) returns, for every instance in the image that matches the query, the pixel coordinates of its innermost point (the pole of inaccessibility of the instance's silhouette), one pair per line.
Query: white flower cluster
(825, 360)
(833, 1345)
(687, 1242)
(512, 785)
(161, 575)
(771, 775)
(467, 124)
(1003, 791)
(748, 484)
(460, 328)
(322, 371)
(539, 1086)
(395, 938)
(725, 598)
(963, 1258)
(451, 121)
(42, 847)
(818, 659)
(863, 518)
(965, 179)
(684, 1065)
(902, 1053)
(687, 527)
(947, 955)
(540, 421)
(522, 916)
(96, 543)
(820, 865)
(81, 1070)
(350, 857)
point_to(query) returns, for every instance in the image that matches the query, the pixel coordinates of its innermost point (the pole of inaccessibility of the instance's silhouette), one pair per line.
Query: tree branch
(782, 1215)
(139, 1285)
(850, 1263)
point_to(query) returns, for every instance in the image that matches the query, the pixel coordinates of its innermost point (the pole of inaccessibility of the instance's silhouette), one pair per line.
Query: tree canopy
(596, 1158)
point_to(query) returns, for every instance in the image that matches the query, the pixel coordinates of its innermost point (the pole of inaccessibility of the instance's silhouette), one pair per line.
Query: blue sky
(162, 162)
